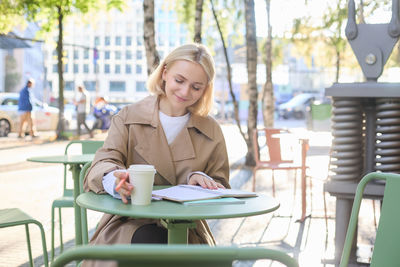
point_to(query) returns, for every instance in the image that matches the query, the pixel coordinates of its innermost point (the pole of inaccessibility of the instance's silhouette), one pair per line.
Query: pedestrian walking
(25, 108)
(82, 104)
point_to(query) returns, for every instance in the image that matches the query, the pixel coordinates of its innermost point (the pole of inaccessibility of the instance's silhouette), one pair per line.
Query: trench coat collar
(149, 115)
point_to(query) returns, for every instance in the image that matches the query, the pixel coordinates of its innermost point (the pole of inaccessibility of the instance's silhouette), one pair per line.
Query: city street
(32, 187)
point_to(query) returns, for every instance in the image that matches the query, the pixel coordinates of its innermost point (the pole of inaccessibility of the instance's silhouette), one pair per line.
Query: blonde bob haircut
(196, 53)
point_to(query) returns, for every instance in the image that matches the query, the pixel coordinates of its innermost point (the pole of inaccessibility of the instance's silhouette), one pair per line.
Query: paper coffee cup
(142, 179)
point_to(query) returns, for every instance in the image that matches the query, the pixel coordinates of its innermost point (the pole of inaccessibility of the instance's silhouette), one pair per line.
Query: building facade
(108, 56)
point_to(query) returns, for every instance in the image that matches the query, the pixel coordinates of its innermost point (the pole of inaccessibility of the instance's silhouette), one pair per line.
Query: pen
(118, 187)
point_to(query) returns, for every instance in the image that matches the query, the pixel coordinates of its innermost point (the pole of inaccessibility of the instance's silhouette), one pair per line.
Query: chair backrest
(84, 147)
(386, 247)
(151, 255)
(85, 231)
(273, 144)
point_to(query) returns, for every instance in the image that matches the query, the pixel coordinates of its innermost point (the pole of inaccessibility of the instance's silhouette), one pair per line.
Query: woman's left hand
(198, 179)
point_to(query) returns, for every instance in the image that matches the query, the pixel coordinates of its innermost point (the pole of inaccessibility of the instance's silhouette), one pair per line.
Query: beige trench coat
(137, 137)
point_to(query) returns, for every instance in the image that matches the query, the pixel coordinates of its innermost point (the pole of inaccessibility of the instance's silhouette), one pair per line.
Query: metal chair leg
(28, 242)
(60, 227)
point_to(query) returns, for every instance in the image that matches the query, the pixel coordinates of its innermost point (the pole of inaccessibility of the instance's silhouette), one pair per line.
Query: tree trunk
(61, 120)
(362, 19)
(337, 66)
(197, 21)
(229, 72)
(251, 52)
(268, 91)
(149, 36)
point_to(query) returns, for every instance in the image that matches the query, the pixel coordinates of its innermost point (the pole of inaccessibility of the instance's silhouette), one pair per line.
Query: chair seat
(12, 217)
(282, 166)
(64, 201)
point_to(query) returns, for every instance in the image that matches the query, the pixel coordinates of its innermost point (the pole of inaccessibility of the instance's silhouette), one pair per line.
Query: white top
(173, 125)
(85, 106)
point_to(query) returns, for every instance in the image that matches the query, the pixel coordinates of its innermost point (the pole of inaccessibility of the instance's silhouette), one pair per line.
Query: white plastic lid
(142, 167)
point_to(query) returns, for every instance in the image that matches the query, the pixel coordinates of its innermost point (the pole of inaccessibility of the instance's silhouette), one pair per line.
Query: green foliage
(229, 15)
(278, 45)
(185, 10)
(11, 14)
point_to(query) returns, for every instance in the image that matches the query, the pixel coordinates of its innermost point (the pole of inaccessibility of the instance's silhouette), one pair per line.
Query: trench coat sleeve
(111, 156)
(218, 164)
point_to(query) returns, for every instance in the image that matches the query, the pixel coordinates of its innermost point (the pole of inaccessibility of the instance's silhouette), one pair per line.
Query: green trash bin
(321, 116)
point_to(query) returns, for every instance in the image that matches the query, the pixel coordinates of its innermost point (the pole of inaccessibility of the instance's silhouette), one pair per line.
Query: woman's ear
(164, 73)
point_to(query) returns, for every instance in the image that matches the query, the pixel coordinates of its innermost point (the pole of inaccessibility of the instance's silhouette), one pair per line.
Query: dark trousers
(81, 119)
(150, 234)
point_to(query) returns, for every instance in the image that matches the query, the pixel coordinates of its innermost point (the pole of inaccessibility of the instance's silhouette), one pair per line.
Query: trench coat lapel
(182, 147)
(153, 147)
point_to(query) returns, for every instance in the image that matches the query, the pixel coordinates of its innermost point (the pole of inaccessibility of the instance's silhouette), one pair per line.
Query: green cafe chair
(85, 231)
(67, 198)
(14, 217)
(152, 255)
(386, 247)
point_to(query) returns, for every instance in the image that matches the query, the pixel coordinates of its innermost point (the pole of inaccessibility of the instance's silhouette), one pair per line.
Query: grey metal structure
(365, 120)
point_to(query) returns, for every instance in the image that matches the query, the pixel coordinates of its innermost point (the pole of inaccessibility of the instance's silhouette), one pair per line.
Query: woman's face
(185, 83)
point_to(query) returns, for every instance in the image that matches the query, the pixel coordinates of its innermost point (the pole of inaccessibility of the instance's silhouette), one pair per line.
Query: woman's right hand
(126, 189)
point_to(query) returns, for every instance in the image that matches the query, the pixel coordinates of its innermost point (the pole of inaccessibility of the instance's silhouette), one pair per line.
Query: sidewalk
(32, 188)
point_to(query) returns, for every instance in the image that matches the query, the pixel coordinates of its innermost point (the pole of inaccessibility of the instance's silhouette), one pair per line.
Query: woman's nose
(185, 90)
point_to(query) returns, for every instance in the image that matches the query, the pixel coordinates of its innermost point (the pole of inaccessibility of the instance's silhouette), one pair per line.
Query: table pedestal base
(178, 230)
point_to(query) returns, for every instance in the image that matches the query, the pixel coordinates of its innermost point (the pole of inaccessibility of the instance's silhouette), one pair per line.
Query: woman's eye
(196, 88)
(178, 81)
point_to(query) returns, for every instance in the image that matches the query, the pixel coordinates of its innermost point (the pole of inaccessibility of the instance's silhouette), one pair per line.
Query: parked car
(297, 107)
(45, 118)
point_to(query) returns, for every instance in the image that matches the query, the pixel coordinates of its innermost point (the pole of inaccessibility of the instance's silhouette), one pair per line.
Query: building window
(106, 68)
(107, 54)
(161, 40)
(118, 40)
(55, 70)
(85, 68)
(76, 68)
(128, 69)
(138, 69)
(117, 86)
(69, 86)
(128, 40)
(86, 53)
(90, 85)
(117, 54)
(128, 54)
(76, 54)
(172, 40)
(107, 40)
(117, 68)
(140, 87)
(65, 67)
(139, 40)
(96, 41)
(139, 54)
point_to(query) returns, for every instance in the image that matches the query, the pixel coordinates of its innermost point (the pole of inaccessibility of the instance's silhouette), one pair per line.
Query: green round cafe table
(176, 217)
(75, 162)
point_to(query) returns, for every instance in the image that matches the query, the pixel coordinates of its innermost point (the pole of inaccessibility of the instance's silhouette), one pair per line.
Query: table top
(68, 159)
(162, 209)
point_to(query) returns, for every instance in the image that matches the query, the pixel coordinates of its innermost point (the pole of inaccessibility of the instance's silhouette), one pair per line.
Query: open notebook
(191, 193)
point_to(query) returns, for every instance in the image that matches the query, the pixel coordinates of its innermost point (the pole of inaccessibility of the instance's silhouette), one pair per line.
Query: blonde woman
(171, 130)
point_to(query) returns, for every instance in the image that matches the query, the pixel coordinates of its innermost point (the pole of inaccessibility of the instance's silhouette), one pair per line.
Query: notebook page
(180, 193)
